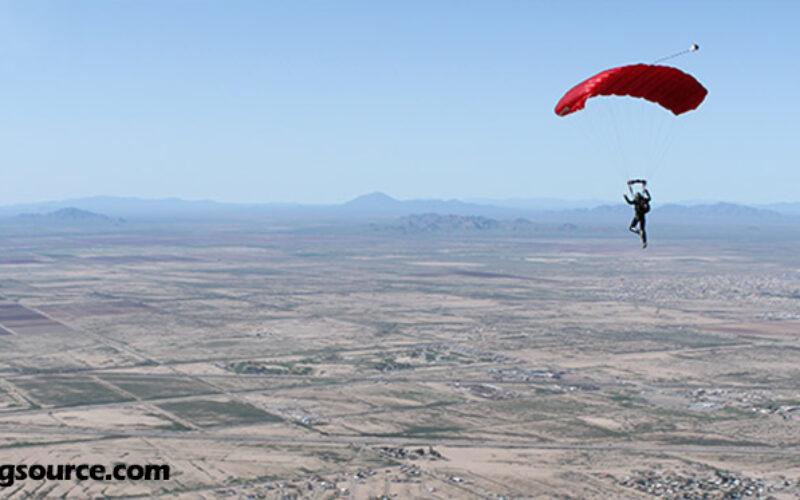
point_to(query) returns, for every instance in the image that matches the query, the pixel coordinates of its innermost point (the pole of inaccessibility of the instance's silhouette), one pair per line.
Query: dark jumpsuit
(641, 204)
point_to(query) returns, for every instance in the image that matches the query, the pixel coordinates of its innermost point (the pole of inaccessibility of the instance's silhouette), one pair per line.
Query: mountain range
(378, 205)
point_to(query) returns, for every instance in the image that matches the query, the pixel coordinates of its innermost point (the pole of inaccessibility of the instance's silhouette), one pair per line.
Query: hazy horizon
(500, 201)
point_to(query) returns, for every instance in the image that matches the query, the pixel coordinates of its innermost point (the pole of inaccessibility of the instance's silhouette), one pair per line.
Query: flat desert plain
(323, 362)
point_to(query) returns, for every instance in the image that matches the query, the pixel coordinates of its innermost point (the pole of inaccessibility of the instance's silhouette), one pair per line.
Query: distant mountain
(718, 210)
(595, 214)
(538, 204)
(381, 205)
(372, 201)
(435, 222)
(129, 207)
(430, 222)
(68, 216)
(784, 208)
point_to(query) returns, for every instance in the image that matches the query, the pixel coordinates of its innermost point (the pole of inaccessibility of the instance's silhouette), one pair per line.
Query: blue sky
(321, 101)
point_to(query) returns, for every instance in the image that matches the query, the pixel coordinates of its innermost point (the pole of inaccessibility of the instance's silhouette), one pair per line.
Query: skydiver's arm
(646, 194)
(630, 202)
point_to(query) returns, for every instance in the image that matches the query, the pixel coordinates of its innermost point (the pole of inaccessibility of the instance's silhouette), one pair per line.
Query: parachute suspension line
(615, 112)
(644, 128)
(657, 124)
(657, 144)
(664, 139)
(608, 128)
(693, 48)
(640, 134)
(598, 136)
(666, 144)
(629, 117)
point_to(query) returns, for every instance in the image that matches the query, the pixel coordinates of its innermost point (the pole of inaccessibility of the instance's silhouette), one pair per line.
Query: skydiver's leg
(642, 232)
(632, 227)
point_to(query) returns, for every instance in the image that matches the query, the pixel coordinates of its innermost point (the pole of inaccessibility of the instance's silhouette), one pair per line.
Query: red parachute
(667, 86)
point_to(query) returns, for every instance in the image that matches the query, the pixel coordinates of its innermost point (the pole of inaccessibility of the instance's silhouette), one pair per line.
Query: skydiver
(641, 205)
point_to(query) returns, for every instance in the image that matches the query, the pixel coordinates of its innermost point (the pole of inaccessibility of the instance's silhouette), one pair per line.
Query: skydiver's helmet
(638, 196)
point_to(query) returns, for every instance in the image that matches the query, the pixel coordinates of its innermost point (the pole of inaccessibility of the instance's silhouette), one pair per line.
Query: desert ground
(319, 362)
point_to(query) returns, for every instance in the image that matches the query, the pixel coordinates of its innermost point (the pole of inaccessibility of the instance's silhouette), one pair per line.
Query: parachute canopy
(664, 85)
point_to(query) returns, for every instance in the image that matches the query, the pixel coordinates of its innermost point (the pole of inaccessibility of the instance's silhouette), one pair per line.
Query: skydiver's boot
(644, 239)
